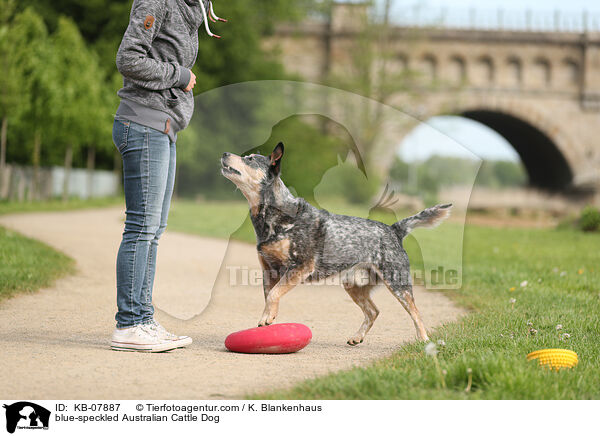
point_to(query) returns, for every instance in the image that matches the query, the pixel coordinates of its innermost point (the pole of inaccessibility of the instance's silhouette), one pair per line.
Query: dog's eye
(250, 158)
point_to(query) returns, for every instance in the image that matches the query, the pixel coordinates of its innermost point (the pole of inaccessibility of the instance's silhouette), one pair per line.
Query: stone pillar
(590, 72)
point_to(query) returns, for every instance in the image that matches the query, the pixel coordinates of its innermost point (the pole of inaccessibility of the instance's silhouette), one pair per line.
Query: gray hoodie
(155, 57)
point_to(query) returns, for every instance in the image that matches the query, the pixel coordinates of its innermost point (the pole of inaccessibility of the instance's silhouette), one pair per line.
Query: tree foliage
(428, 177)
(11, 77)
(59, 79)
(38, 83)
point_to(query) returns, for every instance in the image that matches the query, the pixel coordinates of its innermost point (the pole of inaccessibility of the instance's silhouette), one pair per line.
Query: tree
(510, 173)
(10, 77)
(101, 136)
(100, 22)
(103, 22)
(238, 57)
(371, 69)
(80, 95)
(36, 106)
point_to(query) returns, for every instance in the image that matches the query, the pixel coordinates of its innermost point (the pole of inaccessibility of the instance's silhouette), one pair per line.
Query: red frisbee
(273, 339)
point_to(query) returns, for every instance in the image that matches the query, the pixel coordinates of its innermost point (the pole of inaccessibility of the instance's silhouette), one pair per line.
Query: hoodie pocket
(172, 99)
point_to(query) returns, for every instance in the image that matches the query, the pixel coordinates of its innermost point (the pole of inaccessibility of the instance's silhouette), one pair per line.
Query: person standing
(155, 58)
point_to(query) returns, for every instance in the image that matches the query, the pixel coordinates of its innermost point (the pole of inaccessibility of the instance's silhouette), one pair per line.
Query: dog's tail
(430, 217)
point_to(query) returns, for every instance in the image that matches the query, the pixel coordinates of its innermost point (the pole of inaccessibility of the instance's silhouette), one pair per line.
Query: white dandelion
(431, 349)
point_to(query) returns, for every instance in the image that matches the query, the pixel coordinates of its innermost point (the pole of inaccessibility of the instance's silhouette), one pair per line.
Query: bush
(589, 221)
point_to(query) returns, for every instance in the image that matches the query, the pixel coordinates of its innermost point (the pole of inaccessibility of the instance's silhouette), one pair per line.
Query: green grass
(493, 339)
(7, 207)
(217, 219)
(27, 265)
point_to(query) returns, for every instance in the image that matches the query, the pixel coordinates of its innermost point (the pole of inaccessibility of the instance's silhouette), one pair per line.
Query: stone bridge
(539, 90)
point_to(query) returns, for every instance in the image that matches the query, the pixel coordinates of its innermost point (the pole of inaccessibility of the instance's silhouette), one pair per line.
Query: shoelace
(160, 329)
(213, 17)
(142, 331)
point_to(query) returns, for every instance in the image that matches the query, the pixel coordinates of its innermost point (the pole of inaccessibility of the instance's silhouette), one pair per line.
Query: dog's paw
(265, 322)
(355, 341)
(267, 319)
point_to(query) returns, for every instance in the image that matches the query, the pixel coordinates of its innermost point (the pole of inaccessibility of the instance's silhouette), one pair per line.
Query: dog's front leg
(287, 282)
(270, 276)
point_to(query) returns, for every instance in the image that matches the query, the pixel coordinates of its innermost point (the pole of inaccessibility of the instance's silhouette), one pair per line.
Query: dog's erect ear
(276, 157)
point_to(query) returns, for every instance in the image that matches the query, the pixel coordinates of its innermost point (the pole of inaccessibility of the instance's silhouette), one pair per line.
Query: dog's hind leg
(403, 292)
(361, 295)
(405, 297)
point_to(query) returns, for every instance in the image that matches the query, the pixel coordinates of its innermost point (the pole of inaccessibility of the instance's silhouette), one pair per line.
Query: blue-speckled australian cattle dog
(299, 243)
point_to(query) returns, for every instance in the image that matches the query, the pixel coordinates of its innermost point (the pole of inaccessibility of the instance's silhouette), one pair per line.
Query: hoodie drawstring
(213, 18)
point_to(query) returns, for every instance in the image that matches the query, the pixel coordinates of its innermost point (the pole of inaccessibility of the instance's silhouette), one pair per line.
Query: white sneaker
(139, 338)
(163, 334)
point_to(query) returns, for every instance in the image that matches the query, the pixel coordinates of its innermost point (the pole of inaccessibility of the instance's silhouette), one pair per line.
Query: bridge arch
(429, 65)
(531, 73)
(542, 72)
(514, 67)
(572, 71)
(484, 73)
(546, 152)
(547, 167)
(457, 69)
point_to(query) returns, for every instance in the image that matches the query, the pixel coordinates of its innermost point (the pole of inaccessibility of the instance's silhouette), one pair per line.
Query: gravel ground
(55, 343)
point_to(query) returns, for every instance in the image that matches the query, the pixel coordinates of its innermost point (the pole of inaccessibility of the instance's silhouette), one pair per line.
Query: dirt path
(54, 344)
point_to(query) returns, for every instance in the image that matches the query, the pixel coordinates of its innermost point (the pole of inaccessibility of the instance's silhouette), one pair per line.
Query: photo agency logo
(24, 415)
(338, 154)
(246, 276)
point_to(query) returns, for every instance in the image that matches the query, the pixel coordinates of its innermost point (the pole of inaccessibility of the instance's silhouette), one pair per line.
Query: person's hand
(192, 82)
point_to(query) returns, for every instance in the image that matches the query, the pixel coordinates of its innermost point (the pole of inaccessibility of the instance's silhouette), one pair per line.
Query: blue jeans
(148, 179)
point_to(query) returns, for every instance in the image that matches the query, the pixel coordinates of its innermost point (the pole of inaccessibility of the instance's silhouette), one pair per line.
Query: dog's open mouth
(226, 169)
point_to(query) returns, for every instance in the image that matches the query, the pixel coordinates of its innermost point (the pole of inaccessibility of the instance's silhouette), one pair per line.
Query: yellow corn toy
(555, 358)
